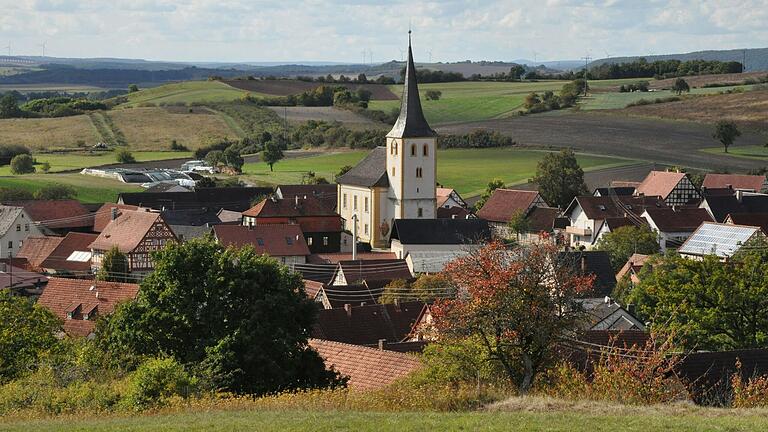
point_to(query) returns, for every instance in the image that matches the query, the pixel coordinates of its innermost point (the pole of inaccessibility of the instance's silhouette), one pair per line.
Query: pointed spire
(411, 122)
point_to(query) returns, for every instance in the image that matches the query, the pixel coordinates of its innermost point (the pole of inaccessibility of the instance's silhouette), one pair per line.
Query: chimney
(739, 195)
(348, 308)
(97, 294)
(114, 213)
(607, 300)
(382, 344)
(453, 216)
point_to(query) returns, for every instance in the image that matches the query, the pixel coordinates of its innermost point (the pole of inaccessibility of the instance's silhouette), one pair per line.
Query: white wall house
(15, 227)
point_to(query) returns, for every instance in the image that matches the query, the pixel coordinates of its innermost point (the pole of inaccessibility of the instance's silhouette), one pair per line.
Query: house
(588, 214)
(674, 225)
(378, 271)
(327, 194)
(592, 263)
(15, 226)
(613, 223)
(107, 213)
(722, 202)
(72, 255)
(674, 188)
(632, 268)
(230, 198)
(57, 216)
(505, 203)
(721, 240)
(19, 281)
(136, 234)
(748, 183)
(454, 213)
(336, 296)
(283, 242)
(605, 314)
(438, 235)
(36, 249)
(614, 191)
(166, 186)
(321, 226)
(749, 219)
(450, 204)
(80, 302)
(366, 368)
(542, 221)
(397, 181)
(367, 325)
(420, 262)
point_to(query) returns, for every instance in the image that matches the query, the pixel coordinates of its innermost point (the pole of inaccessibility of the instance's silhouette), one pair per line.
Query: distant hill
(757, 58)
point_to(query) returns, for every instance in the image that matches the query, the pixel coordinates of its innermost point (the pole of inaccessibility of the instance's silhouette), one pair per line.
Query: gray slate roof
(371, 171)
(8, 214)
(441, 231)
(411, 123)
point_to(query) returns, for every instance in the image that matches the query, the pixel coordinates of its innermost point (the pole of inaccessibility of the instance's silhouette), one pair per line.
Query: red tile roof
(366, 325)
(273, 240)
(73, 242)
(13, 276)
(103, 216)
(504, 203)
(57, 213)
(634, 264)
(659, 183)
(127, 231)
(754, 183)
(36, 249)
(299, 206)
(442, 195)
(684, 219)
(81, 296)
(605, 207)
(336, 257)
(311, 288)
(367, 368)
(374, 270)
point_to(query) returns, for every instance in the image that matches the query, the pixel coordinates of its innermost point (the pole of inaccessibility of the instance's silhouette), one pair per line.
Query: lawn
(75, 161)
(322, 421)
(467, 170)
(89, 189)
(746, 152)
(616, 100)
(185, 93)
(471, 100)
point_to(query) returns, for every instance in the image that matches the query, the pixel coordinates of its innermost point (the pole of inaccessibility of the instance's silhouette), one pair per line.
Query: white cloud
(338, 30)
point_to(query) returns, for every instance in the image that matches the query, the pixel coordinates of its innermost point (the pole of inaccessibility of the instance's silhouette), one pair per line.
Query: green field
(467, 170)
(746, 152)
(89, 189)
(470, 100)
(327, 421)
(616, 100)
(75, 161)
(186, 92)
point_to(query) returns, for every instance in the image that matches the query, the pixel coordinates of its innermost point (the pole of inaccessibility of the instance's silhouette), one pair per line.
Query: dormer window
(90, 315)
(73, 310)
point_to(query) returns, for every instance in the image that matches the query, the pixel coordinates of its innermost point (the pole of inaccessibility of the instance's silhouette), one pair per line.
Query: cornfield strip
(116, 132)
(97, 119)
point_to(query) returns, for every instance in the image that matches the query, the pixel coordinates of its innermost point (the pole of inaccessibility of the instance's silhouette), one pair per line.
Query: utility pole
(354, 237)
(586, 59)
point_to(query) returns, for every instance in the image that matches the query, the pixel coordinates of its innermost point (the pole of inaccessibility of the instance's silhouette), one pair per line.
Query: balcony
(585, 232)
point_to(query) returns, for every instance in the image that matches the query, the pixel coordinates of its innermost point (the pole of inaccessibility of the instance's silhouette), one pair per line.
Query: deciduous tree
(22, 164)
(492, 186)
(560, 178)
(726, 132)
(680, 86)
(624, 241)
(114, 266)
(272, 154)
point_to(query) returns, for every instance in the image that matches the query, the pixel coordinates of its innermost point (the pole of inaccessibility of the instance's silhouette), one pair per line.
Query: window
(366, 229)
(413, 149)
(426, 150)
(26, 227)
(420, 212)
(18, 227)
(325, 241)
(418, 172)
(393, 147)
(393, 171)
(366, 204)
(344, 201)
(354, 202)
(10, 245)
(260, 241)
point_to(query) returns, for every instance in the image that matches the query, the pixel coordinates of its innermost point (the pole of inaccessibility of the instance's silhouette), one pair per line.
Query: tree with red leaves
(518, 302)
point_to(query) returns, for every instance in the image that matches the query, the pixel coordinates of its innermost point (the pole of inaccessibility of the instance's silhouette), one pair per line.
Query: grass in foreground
(535, 416)
(467, 170)
(745, 152)
(89, 189)
(75, 161)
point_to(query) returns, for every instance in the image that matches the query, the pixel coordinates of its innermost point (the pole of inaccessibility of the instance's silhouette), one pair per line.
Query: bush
(175, 146)
(156, 381)
(124, 156)
(8, 151)
(751, 393)
(22, 164)
(56, 192)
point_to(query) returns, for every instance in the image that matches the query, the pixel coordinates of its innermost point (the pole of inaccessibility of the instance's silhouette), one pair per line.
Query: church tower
(411, 155)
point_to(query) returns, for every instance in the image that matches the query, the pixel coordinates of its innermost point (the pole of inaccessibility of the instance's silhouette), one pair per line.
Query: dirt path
(666, 142)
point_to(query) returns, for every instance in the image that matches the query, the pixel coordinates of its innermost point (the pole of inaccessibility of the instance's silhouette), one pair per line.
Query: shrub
(55, 192)
(175, 146)
(124, 156)
(156, 381)
(22, 164)
(46, 167)
(751, 393)
(9, 151)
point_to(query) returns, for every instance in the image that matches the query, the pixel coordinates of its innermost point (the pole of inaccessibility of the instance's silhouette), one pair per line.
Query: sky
(340, 30)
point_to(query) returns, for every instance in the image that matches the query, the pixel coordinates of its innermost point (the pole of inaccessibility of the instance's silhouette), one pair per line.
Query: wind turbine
(42, 45)
(8, 48)
(402, 53)
(430, 55)
(607, 54)
(370, 54)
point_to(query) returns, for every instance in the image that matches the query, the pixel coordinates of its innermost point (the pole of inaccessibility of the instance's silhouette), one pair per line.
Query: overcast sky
(339, 30)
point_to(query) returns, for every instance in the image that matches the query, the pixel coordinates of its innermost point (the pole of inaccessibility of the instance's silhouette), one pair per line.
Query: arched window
(426, 150)
(413, 149)
(418, 172)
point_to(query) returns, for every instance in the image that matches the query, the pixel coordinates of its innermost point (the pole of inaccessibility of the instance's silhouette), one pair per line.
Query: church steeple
(411, 122)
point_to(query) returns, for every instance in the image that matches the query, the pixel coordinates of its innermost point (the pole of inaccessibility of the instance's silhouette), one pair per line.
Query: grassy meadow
(89, 189)
(467, 170)
(76, 161)
(471, 101)
(616, 100)
(185, 92)
(746, 152)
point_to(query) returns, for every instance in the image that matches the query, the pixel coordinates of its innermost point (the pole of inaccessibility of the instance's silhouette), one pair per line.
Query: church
(397, 181)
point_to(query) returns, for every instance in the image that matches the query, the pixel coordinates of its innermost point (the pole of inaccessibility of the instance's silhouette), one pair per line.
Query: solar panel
(79, 256)
(717, 239)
